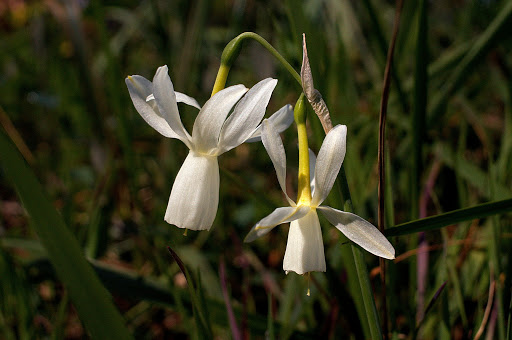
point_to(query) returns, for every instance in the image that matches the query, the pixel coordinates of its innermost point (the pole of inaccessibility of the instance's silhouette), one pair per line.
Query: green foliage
(105, 175)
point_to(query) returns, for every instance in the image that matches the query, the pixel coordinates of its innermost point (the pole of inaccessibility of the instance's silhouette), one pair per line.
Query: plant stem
(231, 52)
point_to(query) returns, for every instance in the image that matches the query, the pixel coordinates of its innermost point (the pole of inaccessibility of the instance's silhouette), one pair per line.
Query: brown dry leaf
(313, 95)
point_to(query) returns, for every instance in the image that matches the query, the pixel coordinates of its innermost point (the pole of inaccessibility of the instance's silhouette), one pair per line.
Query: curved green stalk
(231, 52)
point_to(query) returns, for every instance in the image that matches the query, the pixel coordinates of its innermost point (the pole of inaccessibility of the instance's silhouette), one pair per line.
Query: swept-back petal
(212, 116)
(180, 98)
(278, 216)
(165, 98)
(305, 247)
(246, 115)
(328, 163)
(140, 88)
(281, 119)
(275, 149)
(360, 231)
(183, 98)
(195, 193)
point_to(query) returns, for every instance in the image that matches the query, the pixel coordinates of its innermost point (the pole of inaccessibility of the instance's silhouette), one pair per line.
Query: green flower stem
(228, 56)
(365, 291)
(231, 52)
(222, 76)
(304, 191)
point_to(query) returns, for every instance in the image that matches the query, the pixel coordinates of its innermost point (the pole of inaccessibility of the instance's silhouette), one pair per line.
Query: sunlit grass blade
(452, 217)
(92, 301)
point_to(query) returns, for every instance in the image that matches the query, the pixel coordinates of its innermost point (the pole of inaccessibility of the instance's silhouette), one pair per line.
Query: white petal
(278, 216)
(281, 120)
(305, 248)
(360, 231)
(180, 98)
(212, 116)
(140, 88)
(312, 163)
(183, 98)
(246, 115)
(195, 193)
(165, 98)
(328, 163)
(274, 146)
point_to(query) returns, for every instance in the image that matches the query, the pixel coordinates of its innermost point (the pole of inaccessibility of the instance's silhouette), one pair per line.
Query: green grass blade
(478, 51)
(383, 50)
(431, 304)
(132, 285)
(92, 301)
(494, 250)
(458, 296)
(452, 217)
(366, 292)
(59, 323)
(509, 327)
(471, 173)
(419, 107)
(202, 321)
(372, 317)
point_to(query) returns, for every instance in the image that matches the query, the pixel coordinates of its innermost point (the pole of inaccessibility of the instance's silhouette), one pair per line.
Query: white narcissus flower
(195, 192)
(305, 250)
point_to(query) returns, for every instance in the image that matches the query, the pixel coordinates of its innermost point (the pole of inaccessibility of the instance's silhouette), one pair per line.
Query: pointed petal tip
(388, 253)
(391, 255)
(129, 79)
(251, 235)
(271, 81)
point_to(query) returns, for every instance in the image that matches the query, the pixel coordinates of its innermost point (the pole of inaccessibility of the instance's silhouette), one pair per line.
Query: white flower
(305, 250)
(195, 193)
